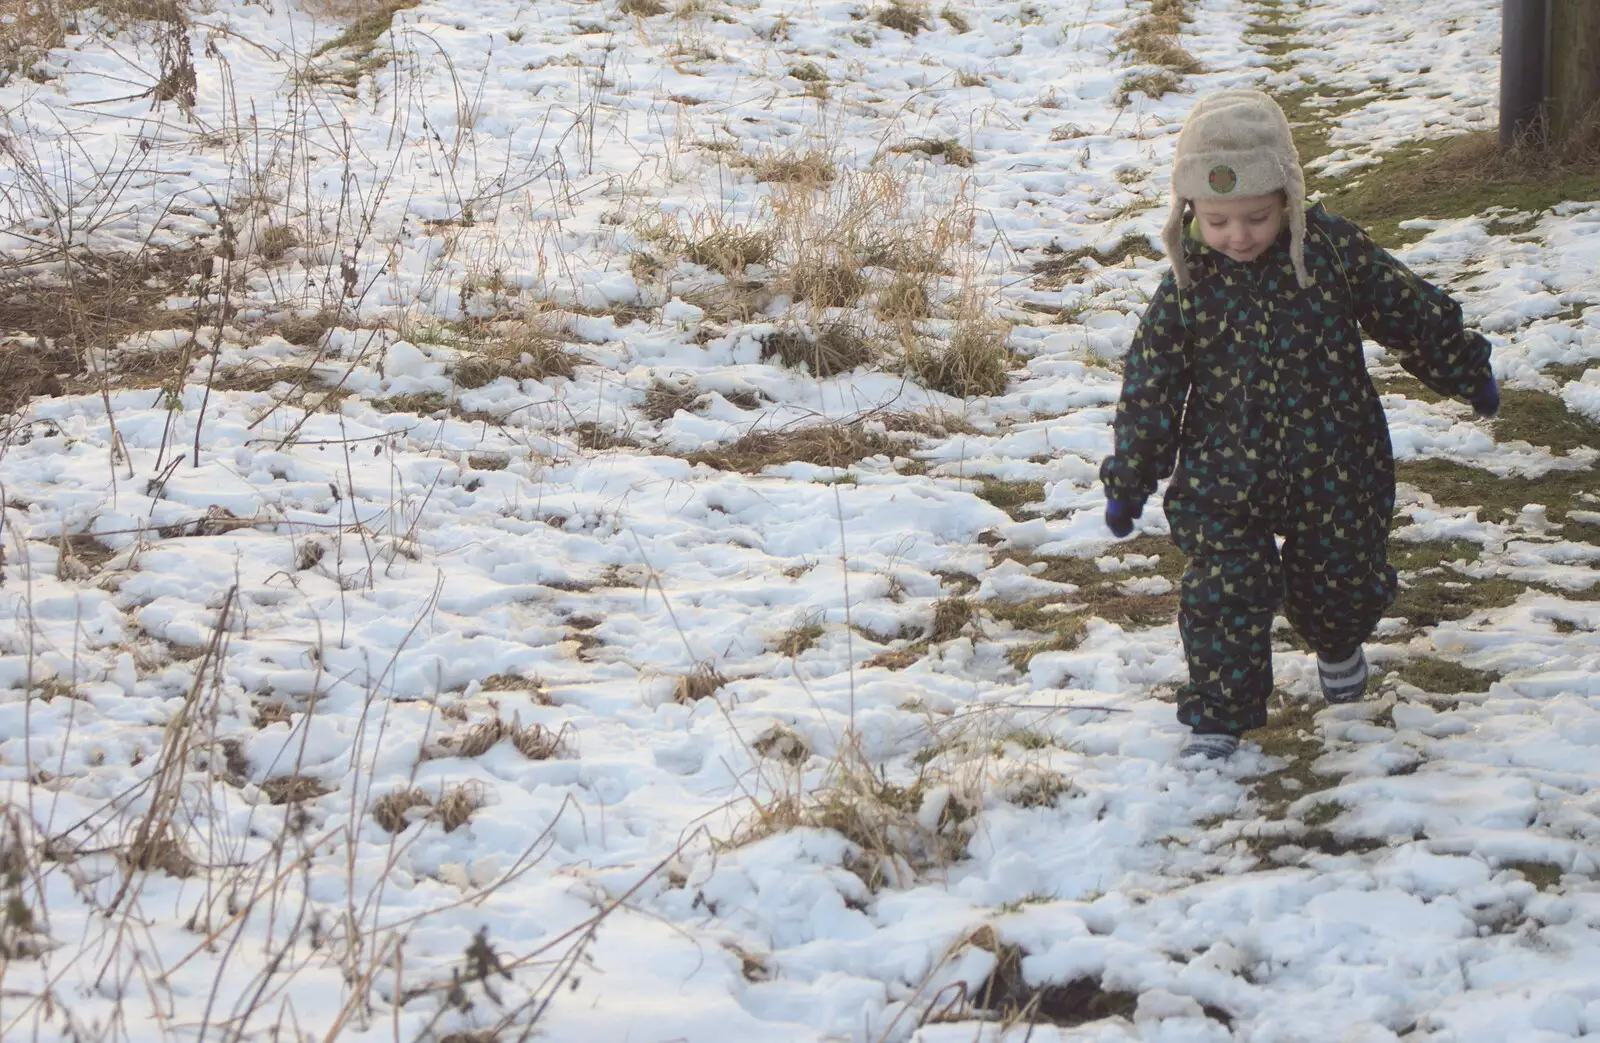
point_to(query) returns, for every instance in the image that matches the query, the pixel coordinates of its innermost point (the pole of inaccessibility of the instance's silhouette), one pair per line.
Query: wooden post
(1574, 67)
(1523, 40)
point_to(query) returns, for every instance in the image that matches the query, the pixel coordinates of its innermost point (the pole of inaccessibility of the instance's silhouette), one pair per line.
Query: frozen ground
(629, 689)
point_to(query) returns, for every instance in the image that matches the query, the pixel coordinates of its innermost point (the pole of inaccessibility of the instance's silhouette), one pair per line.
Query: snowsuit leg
(1336, 570)
(1231, 590)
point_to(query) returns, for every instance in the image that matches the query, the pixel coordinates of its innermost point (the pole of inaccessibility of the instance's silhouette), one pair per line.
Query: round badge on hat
(1223, 180)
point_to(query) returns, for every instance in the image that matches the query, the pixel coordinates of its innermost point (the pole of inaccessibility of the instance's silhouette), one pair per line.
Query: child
(1247, 370)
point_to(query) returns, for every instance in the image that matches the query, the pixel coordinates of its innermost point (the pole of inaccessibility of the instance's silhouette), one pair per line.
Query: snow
(351, 593)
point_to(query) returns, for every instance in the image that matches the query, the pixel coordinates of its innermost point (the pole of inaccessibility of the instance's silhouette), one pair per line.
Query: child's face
(1240, 228)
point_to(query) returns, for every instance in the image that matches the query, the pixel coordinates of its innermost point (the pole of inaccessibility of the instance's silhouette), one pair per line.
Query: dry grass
(825, 445)
(825, 284)
(837, 348)
(1152, 85)
(808, 72)
(528, 349)
(951, 618)
(906, 17)
(795, 168)
(368, 21)
(160, 851)
(784, 744)
(32, 28)
(293, 789)
(880, 818)
(949, 149)
(392, 811)
(955, 19)
(1008, 995)
(972, 361)
(800, 638)
(712, 241)
(642, 8)
(275, 242)
(905, 299)
(305, 331)
(700, 683)
(663, 401)
(455, 806)
(533, 741)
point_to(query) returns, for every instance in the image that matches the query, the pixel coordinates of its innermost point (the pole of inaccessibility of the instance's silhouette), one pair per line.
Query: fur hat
(1236, 144)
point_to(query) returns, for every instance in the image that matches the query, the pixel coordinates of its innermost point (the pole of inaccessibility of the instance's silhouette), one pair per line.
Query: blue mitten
(1120, 515)
(1486, 403)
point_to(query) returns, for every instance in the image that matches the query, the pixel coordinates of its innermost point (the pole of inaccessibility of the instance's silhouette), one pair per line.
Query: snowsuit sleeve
(1155, 383)
(1411, 317)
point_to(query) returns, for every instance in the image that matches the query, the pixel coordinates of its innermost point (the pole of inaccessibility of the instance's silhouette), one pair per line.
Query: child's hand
(1120, 515)
(1487, 401)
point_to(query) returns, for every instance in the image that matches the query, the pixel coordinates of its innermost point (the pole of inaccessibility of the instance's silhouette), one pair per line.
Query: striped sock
(1344, 682)
(1211, 747)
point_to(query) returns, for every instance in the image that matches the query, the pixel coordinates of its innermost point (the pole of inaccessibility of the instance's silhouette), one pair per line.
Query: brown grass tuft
(784, 744)
(838, 348)
(905, 299)
(534, 741)
(524, 350)
(903, 16)
(951, 616)
(795, 168)
(160, 851)
(700, 683)
(29, 368)
(952, 151)
(808, 72)
(392, 811)
(971, 362)
(1152, 85)
(825, 284)
(306, 331)
(642, 8)
(276, 241)
(800, 638)
(663, 401)
(455, 807)
(293, 789)
(729, 250)
(825, 445)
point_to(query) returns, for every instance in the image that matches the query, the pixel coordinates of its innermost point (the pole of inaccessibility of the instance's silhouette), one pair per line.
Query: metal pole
(1524, 55)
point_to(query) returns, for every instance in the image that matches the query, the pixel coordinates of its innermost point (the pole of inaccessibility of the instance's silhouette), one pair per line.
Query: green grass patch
(1543, 420)
(1011, 497)
(1311, 112)
(1447, 596)
(1428, 554)
(1455, 177)
(1543, 875)
(1291, 735)
(1061, 266)
(1280, 38)
(1408, 386)
(364, 33)
(1442, 677)
(1497, 498)
(1569, 371)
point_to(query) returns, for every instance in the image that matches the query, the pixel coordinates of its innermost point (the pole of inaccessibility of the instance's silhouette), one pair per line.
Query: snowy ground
(506, 598)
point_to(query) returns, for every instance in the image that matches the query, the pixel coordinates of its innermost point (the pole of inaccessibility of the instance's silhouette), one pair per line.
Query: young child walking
(1247, 373)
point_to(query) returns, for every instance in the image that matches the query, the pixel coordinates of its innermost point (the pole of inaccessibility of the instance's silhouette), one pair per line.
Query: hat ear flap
(1295, 188)
(1172, 239)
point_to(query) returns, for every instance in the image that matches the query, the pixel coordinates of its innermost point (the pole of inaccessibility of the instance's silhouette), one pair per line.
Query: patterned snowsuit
(1259, 390)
